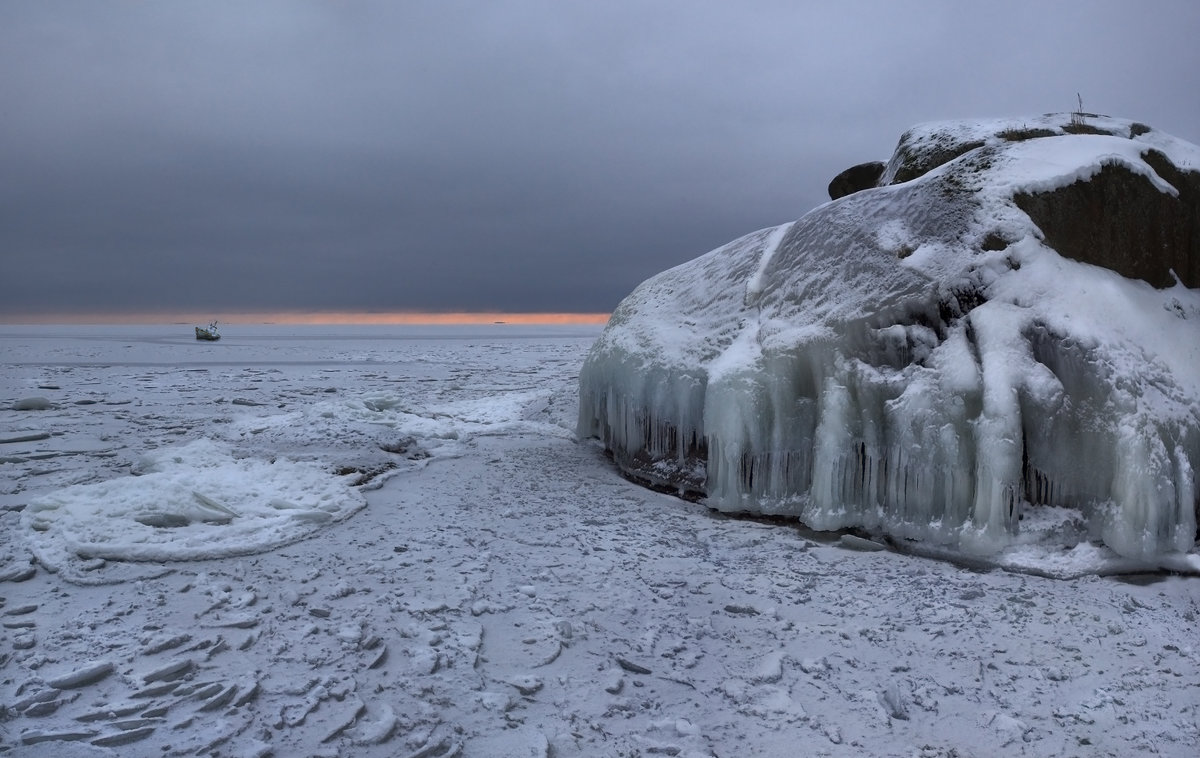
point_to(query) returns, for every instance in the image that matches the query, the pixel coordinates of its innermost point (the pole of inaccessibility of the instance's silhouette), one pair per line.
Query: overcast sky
(493, 155)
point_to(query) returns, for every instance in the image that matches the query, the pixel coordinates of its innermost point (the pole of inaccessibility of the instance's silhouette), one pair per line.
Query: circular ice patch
(192, 502)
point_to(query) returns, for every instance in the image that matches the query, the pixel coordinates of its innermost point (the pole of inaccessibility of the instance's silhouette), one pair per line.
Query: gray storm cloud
(521, 156)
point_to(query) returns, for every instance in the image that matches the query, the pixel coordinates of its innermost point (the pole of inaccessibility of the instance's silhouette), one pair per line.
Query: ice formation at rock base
(914, 359)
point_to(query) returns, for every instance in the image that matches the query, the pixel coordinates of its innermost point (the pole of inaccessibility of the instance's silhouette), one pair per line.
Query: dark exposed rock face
(909, 162)
(1119, 220)
(855, 179)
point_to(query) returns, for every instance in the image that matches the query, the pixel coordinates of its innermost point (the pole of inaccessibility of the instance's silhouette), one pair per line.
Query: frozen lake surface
(386, 541)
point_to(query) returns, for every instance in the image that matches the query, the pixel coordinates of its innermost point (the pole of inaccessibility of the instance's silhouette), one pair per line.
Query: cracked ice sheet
(519, 598)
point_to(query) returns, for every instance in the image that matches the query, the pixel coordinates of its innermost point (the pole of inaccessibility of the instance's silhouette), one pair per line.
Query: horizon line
(332, 318)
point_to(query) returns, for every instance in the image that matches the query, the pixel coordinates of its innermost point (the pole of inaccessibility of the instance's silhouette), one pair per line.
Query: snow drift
(915, 359)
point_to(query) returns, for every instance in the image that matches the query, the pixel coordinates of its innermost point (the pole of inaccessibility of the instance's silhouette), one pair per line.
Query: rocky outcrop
(928, 356)
(1117, 218)
(927, 146)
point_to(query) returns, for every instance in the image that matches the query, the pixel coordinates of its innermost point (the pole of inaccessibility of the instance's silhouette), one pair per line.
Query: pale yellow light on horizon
(313, 318)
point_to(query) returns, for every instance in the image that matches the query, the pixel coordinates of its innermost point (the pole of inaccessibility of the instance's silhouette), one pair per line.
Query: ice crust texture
(192, 502)
(914, 360)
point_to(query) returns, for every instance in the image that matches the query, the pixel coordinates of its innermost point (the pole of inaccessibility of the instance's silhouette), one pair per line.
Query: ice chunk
(182, 507)
(37, 403)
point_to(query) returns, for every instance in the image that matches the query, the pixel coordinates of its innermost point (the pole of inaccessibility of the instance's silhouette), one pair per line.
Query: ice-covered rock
(917, 359)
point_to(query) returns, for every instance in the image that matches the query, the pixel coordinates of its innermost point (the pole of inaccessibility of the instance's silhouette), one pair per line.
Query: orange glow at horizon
(312, 318)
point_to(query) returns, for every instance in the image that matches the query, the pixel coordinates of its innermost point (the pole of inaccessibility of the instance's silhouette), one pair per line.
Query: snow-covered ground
(387, 542)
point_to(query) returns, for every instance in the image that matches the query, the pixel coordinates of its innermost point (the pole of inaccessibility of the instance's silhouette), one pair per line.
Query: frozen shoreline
(506, 592)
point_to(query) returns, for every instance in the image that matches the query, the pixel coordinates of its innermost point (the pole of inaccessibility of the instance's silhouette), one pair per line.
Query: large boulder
(997, 342)
(1120, 219)
(856, 179)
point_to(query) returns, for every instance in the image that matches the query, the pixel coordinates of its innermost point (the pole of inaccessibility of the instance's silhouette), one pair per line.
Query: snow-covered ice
(503, 591)
(189, 501)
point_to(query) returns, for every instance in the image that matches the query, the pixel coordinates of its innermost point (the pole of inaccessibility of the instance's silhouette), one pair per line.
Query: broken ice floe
(191, 502)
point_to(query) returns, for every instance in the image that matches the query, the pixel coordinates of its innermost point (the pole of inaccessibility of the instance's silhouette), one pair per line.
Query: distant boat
(209, 334)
